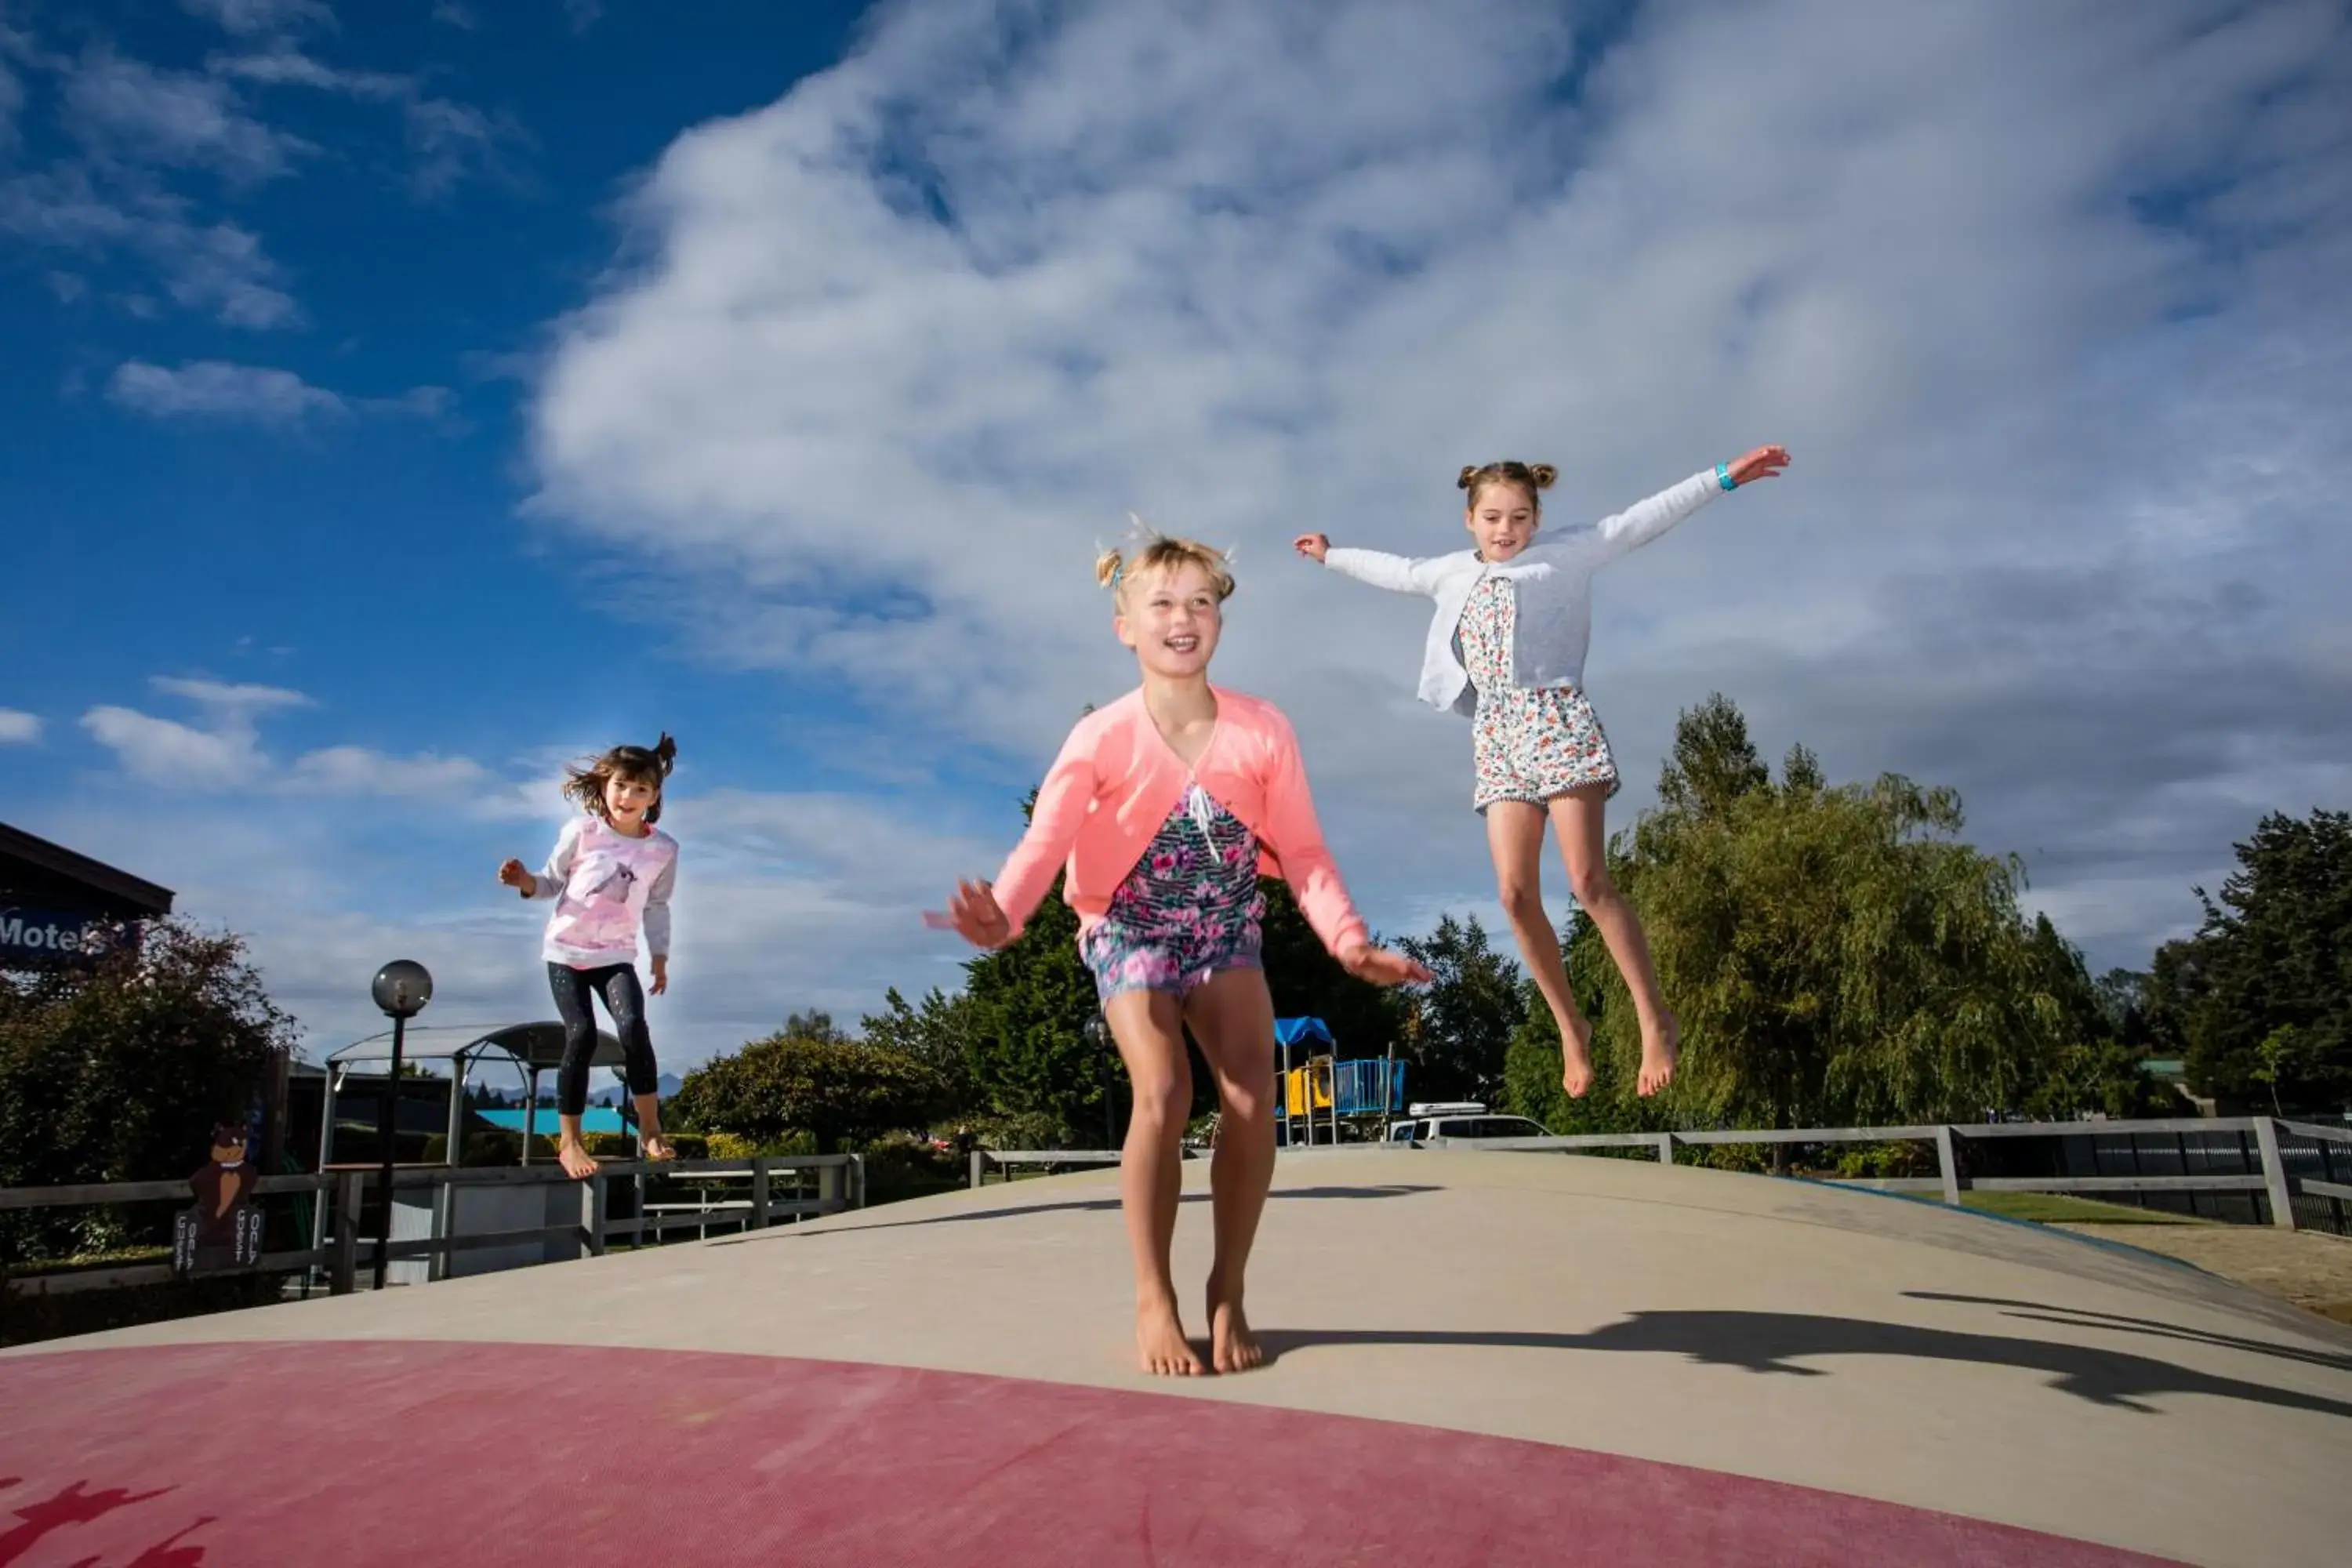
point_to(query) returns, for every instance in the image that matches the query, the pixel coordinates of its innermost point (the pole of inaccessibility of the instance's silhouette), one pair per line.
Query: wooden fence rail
(338, 1246)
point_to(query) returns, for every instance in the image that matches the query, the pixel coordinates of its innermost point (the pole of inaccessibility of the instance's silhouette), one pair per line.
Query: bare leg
(1514, 834)
(1232, 1018)
(572, 1150)
(1583, 842)
(1149, 1031)
(649, 1132)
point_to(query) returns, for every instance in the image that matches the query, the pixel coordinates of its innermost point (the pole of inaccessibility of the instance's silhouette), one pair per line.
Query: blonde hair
(1532, 478)
(648, 765)
(1157, 551)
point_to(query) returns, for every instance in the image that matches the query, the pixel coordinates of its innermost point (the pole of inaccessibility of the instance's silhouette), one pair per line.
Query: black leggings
(617, 983)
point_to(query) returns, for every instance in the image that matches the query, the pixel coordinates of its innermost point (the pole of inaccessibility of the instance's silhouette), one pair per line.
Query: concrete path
(1477, 1358)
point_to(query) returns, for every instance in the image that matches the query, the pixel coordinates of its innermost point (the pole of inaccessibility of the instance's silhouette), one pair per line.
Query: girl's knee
(1522, 901)
(1592, 885)
(1163, 1102)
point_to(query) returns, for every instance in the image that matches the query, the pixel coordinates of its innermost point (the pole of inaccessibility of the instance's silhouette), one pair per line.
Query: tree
(840, 1090)
(1835, 955)
(1458, 1029)
(1034, 1051)
(1715, 763)
(938, 1034)
(1307, 982)
(119, 1070)
(2275, 952)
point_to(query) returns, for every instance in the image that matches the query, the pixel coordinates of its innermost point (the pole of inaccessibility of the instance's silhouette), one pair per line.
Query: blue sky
(401, 398)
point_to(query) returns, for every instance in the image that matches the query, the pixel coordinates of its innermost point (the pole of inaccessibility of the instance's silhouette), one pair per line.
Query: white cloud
(19, 727)
(214, 389)
(890, 355)
(11, 105)
(357, 770)
(450, 13)
(223, 752)
(123, 109)
(448, 142)
(167, 753)
(244, 18)
(230, 697)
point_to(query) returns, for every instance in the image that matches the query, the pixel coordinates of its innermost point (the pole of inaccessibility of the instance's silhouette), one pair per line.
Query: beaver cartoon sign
(224, 1230)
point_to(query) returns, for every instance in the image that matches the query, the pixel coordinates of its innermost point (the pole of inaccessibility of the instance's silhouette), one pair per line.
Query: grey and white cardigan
(1552, 579)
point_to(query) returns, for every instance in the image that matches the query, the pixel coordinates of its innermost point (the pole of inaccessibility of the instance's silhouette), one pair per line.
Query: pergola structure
(531, 1048)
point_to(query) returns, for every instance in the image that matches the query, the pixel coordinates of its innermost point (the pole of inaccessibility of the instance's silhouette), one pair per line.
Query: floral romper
(1191, 907)
(1530, 744)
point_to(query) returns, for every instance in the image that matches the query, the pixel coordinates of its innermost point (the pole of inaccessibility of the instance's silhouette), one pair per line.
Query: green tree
(2097, 1060)
(2274, 952)
(1458, 1028)
(1307, 982)
(119, 1070)
(1835, 955)
(842, 1091)
(938, 1034)
(1035, 1053)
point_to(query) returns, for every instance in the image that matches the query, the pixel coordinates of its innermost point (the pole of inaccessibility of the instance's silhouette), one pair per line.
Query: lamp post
(401, 988)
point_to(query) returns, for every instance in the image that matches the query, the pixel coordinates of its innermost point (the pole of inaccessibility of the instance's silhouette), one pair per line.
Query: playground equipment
(1358, 1093)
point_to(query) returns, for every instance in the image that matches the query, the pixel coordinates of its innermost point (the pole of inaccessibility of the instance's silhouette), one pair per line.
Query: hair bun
(1543, 474)
(1469, 473)
(1107, 567)
(665, 753)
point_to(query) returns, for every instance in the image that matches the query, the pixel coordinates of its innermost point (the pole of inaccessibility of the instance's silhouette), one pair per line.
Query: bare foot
(1159, 1342)
(1232, 1346)
(656, 1147)
(1576, 1059)
(577, 1162)
(1661, 1048)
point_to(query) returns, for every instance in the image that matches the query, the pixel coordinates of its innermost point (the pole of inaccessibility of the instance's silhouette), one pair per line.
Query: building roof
(36, 868)
(538, 1046)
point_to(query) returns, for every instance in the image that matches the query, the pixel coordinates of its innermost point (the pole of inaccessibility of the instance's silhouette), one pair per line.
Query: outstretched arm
(1397, 574)
(1645, 521)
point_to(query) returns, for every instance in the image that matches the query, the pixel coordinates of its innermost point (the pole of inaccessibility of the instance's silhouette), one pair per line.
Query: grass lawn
(2056, 1208)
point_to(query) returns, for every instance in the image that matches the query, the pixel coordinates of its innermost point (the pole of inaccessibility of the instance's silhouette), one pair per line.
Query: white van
(1459, 1118)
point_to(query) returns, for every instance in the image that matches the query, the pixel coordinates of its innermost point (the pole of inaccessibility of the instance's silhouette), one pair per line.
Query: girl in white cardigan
(1506, 648)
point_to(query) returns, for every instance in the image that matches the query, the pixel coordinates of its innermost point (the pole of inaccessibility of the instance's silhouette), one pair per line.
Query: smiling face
(626, 801)
(1502, 518)
(1172, 619)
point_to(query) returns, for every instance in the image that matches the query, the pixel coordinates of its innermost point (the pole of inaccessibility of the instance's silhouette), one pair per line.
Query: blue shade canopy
(1290, 1031)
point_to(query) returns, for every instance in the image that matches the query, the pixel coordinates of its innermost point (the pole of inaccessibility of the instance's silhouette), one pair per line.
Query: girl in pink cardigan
(1163, 807)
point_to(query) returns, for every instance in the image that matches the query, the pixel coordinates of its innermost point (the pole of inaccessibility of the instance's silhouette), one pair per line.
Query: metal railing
(2272, 1182)
(338, 1244)
(2277, 1186)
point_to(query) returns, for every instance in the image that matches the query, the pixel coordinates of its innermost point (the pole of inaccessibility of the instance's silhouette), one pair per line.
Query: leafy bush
(838, 1090)
(118, 1071)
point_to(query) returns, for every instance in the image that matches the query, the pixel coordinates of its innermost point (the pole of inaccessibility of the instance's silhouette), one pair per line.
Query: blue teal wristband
(1723, 476)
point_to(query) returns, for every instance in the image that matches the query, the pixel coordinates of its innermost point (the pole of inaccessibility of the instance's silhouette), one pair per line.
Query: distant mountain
(612, 1093)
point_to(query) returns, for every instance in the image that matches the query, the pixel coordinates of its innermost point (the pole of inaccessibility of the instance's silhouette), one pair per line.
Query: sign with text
(36, 937)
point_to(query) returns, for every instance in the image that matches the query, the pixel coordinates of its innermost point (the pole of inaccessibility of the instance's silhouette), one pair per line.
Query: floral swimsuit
(1191, 907)
(1531, 745)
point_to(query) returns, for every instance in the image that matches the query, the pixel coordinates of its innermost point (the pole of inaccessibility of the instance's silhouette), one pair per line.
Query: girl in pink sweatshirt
(1163, 807)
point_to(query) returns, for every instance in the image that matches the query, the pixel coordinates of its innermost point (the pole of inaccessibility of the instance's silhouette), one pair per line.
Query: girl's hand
(1380, 966)
(514, 876)
(661, 972)
(1764, 463)
(1312, 545)
(975, 914)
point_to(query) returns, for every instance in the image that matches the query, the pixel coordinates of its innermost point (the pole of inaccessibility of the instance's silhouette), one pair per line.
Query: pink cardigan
(1116, 781)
